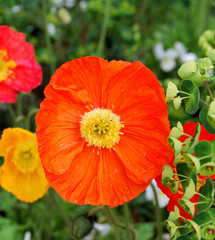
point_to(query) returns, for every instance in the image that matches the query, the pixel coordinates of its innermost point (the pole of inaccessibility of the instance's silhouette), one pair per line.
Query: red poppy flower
(102, 131)
(19, 71)
(189, 128)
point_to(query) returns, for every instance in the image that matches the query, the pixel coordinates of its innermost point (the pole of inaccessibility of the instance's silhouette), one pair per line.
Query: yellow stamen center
(6, 67)
(101, 128)
(26, 157)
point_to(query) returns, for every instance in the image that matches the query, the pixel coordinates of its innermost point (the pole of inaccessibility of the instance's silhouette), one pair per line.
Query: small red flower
(19, 71)
(102, 131)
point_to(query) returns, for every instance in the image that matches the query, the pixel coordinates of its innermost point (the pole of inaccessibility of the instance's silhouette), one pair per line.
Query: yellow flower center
(26, 157)
(101, 128)
(6, 67)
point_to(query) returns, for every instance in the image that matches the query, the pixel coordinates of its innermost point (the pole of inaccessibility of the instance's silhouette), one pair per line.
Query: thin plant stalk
(113, 221)
(126, 215)
(158, 213)
(11, 111)
(100, 50)
(48, 39)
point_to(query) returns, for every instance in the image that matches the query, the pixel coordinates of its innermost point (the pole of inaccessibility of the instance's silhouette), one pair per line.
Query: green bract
(203, 118)
(191, 103)
(187, 70)
(187, 206)
(177, 102)
(211, 115)
(171, 91)
(212, 56)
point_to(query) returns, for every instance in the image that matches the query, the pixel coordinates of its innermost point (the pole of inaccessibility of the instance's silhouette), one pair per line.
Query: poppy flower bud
(212, 56)
(81, 226)
(64, 16)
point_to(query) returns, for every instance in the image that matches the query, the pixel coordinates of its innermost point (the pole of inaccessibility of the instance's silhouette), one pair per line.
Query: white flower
(67, 3)
(83, 5)
(180, 48)
(27, 235)
(162, 198)
(167, 64)
(158, 50)
(51, 29)
(16, 9)
(187, 57)
(166, 236)
(102, 229)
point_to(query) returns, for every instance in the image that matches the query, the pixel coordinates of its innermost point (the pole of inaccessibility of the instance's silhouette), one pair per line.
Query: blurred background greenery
(62, 30)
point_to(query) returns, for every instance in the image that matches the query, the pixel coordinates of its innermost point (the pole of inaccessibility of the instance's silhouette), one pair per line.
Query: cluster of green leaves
(192, 160)
(198, 86)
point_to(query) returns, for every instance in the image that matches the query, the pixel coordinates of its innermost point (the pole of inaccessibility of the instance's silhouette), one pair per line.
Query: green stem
(126, 214)
(113, 221)
(100, 50)
(11, 111)
(158, 213)
(28, 118)
(185, 93)
(204, 102)
(47, 37)
(209, 90)
(61, 211)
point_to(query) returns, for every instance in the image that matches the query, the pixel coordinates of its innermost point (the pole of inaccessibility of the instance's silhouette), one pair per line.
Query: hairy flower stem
(113, 221)
(158, 213)
(126, 214)
(11, 111)
(100, 50)
(47, 38)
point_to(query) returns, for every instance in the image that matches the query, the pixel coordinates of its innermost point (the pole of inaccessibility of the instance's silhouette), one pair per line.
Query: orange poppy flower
(19, 71)
(21, 173)
(102, 131)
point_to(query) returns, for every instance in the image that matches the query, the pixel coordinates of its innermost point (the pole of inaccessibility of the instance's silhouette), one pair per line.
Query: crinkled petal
(95, 179)
(58, 130)
(7, 94)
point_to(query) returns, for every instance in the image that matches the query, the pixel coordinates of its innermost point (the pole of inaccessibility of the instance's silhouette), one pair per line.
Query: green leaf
(203, 118)
(167, 172)
(190, 190)
(187, 206)
(174, 215)
(187, 172)
(146, 230)
(191, 103)
(171, 227)
(195, 139)
(202, 217)
(207, 169)
(171, 91)
(203, 150)
(211, 115)
(195, 228)
(176, 132)
(192, 162)
(208, 192)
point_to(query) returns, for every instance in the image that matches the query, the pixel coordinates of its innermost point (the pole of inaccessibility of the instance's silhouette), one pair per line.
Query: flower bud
(177, 103)
(207, 169)
(187, 206)
(212, 56)
(64, 16)
(171, 91)
(208, 232)
(204, 64)
(81, 226)
(209, 36)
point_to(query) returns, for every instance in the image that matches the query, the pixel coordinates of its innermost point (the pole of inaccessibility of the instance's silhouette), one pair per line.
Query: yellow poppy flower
(21, 173)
